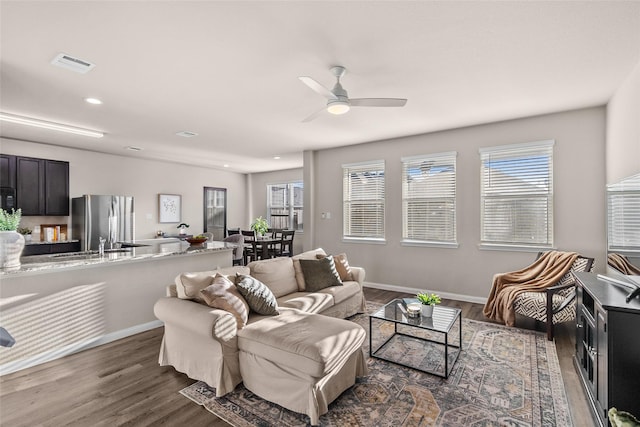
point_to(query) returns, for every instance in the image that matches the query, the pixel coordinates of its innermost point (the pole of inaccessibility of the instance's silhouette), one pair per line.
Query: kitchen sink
(89, 253)
(132, 245)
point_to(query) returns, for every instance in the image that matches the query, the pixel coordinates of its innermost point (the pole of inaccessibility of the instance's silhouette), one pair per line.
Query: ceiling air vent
(186, 134)
(74, 64)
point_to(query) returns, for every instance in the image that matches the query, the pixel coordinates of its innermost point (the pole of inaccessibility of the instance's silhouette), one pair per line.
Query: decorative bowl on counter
(196, 240)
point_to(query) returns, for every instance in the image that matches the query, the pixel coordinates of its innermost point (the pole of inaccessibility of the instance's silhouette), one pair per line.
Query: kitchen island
(56, 305)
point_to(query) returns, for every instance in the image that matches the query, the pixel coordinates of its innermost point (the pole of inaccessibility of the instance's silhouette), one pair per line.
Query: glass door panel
(215, 212)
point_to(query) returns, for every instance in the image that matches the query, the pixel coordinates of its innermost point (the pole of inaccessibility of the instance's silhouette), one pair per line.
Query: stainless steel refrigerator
(109, 217)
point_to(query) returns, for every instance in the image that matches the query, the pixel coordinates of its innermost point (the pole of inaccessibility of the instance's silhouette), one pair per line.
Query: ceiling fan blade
(317, 87)
(377, 102)
(313, 116)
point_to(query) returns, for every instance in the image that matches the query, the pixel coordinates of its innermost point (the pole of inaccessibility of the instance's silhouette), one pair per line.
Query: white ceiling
(228, 70)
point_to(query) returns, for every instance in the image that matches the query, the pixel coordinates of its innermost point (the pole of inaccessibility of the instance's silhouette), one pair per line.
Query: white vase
(11, 245)
(427, 310)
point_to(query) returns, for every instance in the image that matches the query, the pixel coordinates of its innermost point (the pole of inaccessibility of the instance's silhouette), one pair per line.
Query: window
(284, 205)
(517, 195)
(429, 199)
(363, 200)
(623, 216)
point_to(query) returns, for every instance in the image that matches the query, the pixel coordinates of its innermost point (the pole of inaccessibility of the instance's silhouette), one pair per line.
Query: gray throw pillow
(319, 273)
(257, 294)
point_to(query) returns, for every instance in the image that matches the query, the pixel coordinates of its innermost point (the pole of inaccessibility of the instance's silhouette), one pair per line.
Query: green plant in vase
(10, 221)
(428, 300)
(26, 232)
(260, 226)
(11, 242)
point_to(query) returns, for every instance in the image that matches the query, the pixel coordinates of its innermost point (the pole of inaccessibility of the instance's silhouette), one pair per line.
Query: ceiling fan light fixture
(338, 107)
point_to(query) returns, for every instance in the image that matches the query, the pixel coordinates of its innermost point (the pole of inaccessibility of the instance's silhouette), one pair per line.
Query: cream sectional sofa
(202, 342)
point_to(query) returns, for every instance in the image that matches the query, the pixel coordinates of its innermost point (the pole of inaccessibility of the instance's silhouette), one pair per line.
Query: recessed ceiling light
(132, 148)
(28, 121)
(225, 165)
(276, 157)
(94, 101)
(186, 134)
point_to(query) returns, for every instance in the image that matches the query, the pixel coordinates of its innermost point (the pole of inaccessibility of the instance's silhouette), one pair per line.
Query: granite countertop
(148, 250)
(43, 242)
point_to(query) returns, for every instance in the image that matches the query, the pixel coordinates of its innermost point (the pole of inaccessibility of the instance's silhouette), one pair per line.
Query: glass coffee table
(428, 331)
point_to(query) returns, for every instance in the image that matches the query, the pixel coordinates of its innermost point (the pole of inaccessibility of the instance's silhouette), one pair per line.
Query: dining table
(261, 246)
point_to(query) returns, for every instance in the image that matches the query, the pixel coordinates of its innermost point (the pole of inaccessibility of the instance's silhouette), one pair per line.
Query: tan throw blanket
(622, 264)
(546, 271)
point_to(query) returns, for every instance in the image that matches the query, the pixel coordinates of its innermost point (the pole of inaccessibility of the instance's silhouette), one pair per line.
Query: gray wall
(623, 130)
(466, 272)
(97, 173)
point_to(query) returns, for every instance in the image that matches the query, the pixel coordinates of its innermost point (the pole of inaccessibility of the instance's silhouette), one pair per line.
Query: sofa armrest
(171, 291)
(358, 274)
(199, 318)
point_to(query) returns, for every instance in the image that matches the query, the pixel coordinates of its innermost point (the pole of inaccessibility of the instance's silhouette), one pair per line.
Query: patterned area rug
(503, 377)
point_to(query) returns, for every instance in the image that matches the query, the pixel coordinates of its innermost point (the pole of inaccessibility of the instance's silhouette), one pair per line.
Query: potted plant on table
(26, 232)
(428, 300)
(11, 242)
(260, 226)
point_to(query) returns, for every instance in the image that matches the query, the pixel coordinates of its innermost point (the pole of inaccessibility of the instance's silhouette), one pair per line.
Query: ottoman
(301, 361)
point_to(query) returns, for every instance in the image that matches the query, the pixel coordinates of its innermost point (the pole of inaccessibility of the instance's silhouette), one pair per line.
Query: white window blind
(517, 195)
(363, 200)
(429, 198)
(285, 205)
(623, 216)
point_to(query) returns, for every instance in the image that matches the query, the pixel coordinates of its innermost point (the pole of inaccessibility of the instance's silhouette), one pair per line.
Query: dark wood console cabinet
(37, 186)
(607, 354)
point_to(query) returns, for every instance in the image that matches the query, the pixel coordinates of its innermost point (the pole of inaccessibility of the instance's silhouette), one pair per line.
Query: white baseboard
(447, 295)
(50, 355)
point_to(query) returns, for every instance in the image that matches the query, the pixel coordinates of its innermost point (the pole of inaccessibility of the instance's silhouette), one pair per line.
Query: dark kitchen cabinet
(30, 185)
(38, 186)
(7, 171)
(56, 188)
(7, 181)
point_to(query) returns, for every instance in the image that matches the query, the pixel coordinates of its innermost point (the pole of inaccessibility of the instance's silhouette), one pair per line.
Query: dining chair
(275, 248)
(286, 244)
(238, 252)
(232, 231)
(249, 245)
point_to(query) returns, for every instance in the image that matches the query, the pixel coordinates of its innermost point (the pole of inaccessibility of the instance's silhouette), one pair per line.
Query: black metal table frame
(445, 343)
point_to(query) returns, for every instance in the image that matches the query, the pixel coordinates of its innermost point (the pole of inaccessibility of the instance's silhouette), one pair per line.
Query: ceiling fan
(338, 99)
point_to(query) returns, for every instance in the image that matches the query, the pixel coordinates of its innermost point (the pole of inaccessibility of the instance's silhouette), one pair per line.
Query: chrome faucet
(101, 242)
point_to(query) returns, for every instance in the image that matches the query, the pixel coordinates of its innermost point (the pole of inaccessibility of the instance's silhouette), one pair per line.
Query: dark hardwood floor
(121, 384)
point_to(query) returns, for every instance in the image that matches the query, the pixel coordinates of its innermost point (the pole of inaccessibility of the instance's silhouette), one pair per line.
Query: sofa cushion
(342, 265)
(257, 294)
(314, 302)
(296, 265)
(309, 343)
(189, 285)
(319, 273)
(341, 293)
(223, 294)
(277, 273)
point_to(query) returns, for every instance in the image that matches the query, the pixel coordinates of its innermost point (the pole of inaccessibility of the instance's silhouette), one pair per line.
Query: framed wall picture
(169, 207)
